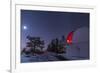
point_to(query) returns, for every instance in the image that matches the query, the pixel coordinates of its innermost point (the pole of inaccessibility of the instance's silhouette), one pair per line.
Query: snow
(39, 58)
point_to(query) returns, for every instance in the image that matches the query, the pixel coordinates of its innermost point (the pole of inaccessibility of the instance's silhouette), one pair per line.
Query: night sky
(50, 25)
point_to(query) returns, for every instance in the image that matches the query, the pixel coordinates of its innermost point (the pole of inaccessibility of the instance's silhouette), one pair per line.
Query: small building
(78, 44)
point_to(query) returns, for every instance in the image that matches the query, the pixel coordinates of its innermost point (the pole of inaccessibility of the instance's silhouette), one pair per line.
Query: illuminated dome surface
(81, 35)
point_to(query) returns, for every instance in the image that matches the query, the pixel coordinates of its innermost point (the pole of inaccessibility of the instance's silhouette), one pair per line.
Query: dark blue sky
(49, 25)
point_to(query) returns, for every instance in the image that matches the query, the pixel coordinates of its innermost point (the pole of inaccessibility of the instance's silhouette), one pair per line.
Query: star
(24, 27)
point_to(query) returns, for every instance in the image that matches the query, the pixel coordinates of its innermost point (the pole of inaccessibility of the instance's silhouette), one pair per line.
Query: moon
(24, 27)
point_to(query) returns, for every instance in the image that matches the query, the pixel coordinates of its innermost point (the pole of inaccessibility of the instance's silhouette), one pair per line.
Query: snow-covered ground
(39, 58)
(48, 57)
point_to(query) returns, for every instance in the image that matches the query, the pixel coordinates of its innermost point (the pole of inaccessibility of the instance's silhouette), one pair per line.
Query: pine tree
(33, 43)
(57, 46)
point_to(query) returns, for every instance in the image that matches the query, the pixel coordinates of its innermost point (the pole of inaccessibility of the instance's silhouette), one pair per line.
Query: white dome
(81, 35)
